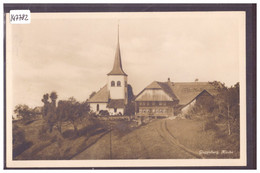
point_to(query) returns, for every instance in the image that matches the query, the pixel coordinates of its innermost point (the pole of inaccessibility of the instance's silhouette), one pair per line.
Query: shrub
(211, 125)
(104, 113)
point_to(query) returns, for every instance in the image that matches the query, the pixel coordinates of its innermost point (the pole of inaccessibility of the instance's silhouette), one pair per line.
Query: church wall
(102, 106)
(112, 111)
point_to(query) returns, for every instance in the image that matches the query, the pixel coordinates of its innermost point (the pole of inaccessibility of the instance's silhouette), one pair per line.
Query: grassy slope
(190, 134)
(144, 142)
(55, 146)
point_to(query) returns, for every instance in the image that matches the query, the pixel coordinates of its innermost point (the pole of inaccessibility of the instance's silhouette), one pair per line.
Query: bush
(103, 113)
(211, 125)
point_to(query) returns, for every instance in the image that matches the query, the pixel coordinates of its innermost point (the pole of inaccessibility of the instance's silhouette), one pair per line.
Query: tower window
(112, 83)
(118, 83)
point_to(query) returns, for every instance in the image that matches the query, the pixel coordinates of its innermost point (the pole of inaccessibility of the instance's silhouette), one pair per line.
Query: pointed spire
(117, 68)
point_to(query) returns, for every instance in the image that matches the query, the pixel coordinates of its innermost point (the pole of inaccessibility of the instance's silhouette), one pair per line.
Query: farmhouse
(113, 96)
(170, 98)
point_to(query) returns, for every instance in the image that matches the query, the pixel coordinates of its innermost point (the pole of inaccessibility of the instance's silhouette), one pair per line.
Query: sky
(71, 53)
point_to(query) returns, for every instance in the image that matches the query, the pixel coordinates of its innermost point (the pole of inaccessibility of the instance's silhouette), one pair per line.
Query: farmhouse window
(112, 83)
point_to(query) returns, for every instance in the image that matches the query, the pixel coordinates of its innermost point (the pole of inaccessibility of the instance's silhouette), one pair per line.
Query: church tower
(117, 78)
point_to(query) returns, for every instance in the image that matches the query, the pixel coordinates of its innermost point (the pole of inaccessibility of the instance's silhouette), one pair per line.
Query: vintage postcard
(125, 89)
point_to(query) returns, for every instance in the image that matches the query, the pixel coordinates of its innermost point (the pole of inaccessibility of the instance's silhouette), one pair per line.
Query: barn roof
(101, 96)
(159, 86)
(154, 85)
(168, 90)
(116, 103)
(187, 91)
(182, 91)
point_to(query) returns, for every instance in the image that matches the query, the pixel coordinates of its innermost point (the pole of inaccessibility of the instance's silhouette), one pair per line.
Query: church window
(118, 83)
(115, 109)
(97, 107)
(112, 83)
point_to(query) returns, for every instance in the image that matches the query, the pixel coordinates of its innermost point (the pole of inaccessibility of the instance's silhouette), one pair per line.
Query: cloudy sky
(71, 53)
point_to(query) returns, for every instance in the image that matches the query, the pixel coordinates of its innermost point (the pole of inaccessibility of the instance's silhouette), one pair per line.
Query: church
(113, 96)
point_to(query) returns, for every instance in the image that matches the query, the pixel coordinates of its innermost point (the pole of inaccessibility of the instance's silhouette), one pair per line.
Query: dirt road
(152, 141)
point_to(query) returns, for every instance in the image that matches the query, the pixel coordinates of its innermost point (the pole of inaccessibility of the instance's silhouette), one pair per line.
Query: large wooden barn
(164, 99)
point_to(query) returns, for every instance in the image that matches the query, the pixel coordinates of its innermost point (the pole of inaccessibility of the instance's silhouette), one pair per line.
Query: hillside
(162, 139)
(159, 139)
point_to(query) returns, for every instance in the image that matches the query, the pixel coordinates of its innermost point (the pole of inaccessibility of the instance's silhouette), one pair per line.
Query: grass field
(159, 139)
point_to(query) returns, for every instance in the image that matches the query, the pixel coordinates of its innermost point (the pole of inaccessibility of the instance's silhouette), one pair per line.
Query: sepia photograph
(115, 89)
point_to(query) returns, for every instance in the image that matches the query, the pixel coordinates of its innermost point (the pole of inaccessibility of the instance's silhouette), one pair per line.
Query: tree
(72, 111)
(203, 109)
(49, 109)
(46, 105)
(53, 97)
(130, 93)
(228, 105)
(130, 107)
(24, 112)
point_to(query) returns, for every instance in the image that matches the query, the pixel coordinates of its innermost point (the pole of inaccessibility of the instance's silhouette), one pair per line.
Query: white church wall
(112, 111)
(102, 106)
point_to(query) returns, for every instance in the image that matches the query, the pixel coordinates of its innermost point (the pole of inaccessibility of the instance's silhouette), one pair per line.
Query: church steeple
(117, 68)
